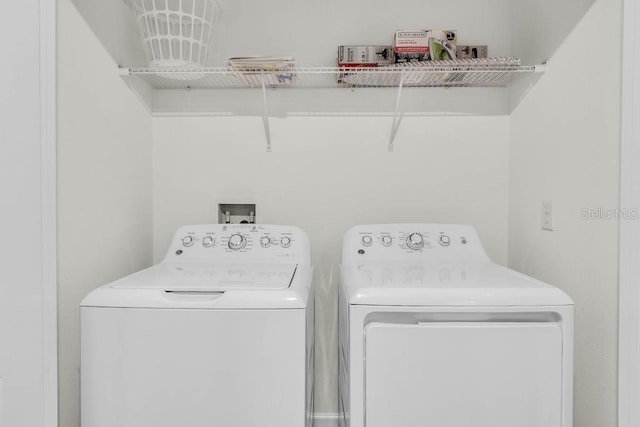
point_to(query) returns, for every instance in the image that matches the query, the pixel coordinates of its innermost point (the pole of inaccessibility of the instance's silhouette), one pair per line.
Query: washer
(220, 333)
(433, 333)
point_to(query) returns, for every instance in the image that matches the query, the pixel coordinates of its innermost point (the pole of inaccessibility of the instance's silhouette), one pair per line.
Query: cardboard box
(442, 44)
(471, 52)
(363, 56)
(411, 46)
(450, 36)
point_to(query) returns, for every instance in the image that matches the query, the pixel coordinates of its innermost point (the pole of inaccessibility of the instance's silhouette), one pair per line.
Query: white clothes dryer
(220, 333)
(432, 333)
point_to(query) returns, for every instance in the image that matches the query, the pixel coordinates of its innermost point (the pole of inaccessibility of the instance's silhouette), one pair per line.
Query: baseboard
(325, 420)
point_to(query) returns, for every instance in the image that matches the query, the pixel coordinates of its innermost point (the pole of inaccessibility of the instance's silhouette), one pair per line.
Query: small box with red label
(363, 56)
(411, 46)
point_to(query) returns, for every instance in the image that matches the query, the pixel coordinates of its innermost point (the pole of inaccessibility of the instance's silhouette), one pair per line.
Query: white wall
(535, 43)
(565, 148)
(312, 30)
(104, 186)
(327, 174)
(114, 24)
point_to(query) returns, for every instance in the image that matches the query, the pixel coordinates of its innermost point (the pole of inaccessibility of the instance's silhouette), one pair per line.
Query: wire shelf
(462, 75)
(154, 85)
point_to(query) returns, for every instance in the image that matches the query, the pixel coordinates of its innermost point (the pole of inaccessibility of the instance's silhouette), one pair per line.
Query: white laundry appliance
(220, 333)
(432, 333)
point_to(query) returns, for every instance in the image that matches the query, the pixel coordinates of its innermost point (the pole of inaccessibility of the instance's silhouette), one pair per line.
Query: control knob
(415, 241)
(367, 240)
(187, 241)
(237, 242)
(444, 240)
(207, 241)
(285, 242)
(387, 240)
(265, 241)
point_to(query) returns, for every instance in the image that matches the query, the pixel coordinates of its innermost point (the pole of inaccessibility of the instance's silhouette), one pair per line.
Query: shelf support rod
(396, 116)
(265, 114)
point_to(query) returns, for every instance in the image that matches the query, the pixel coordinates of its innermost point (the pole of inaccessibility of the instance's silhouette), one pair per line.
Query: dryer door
(461, 374)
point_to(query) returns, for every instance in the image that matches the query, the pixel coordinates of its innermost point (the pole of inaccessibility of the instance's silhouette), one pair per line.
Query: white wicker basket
(176, 33)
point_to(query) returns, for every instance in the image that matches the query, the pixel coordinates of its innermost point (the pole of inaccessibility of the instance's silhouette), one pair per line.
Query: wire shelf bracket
(397, 116)
(265, 114)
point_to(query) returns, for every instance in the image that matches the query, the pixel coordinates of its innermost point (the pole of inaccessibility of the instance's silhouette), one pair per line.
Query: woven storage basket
(176, 33)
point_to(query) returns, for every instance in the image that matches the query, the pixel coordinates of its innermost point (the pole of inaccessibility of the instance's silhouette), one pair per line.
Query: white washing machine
(218, 334)
(432, 333)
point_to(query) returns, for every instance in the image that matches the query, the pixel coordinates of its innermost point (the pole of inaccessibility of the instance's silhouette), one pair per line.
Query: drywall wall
(326, 174)
(306, 29)
(535, 43)
(104, 186)
(312, 30)
(114, 23)
(565, 142)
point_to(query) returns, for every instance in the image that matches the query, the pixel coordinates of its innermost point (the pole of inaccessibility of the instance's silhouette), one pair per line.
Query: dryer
(432, 333)
(220, 333)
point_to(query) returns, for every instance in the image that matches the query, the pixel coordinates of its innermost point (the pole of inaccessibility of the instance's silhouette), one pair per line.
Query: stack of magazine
(272, 70)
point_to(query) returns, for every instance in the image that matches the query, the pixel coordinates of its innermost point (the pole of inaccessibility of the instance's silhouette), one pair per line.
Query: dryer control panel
(398, 242)
(239, 242)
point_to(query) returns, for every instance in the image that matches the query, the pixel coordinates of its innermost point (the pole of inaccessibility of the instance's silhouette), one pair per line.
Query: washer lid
(207, 277)
(208, 286)
(446, 284)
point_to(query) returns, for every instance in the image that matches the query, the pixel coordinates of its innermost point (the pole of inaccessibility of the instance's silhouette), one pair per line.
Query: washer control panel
(211, 242)
(411, 241)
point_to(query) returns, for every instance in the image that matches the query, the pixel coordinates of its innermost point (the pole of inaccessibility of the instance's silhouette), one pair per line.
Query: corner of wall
(104, 186)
